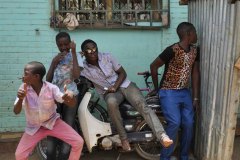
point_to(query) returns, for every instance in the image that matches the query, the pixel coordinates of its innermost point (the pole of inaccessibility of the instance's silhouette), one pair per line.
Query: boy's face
(193, 36)
(91, 52)
(63, 44)
(28, 76)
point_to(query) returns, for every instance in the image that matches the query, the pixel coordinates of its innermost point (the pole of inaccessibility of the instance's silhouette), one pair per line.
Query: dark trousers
(67, 115)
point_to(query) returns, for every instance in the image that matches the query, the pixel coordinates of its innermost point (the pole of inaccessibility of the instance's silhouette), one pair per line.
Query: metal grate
(148, 14)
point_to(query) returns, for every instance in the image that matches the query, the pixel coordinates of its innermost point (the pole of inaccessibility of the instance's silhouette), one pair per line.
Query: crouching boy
(38, 97)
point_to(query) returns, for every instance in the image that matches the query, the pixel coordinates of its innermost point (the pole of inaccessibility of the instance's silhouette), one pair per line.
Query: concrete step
(9, 141)
(8, 147)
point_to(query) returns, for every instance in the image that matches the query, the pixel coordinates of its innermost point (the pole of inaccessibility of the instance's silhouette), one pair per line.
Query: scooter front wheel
(150, 150)
(42, 149)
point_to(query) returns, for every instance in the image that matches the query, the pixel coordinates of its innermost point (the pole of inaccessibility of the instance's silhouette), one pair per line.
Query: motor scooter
(103, 134)
(93, 123)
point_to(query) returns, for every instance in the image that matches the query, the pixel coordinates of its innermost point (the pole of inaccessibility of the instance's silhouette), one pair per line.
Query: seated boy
(105, 72)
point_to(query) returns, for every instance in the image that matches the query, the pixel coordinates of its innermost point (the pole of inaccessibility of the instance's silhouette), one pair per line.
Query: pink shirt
(41, 110)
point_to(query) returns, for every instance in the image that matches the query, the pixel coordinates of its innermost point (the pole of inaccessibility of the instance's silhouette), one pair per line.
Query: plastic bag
(70, 21)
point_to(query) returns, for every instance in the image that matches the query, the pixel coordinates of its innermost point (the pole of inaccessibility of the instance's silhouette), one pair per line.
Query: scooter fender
(92, 128)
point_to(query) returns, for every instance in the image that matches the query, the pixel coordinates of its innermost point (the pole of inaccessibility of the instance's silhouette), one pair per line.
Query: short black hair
(37, 68)
(63, 35)
(86, 42)
(184, 28)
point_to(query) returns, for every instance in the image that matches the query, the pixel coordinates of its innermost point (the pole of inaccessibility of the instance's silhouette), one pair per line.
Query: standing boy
(181, 61)
(38, 99)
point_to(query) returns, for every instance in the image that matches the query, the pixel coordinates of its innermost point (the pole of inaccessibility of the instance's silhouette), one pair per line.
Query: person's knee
(140, 104)
(188, 124)
(112, 103)
(79, 142)
(174, 124)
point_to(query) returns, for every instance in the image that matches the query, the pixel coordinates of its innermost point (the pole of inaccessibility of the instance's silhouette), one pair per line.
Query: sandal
(125, 146)
(165, 140)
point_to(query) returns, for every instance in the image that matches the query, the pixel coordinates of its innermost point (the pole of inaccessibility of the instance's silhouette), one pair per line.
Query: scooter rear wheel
(95, 109)
(150, 150)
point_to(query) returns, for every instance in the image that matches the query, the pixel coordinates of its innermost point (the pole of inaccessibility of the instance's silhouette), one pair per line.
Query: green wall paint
(21, 43)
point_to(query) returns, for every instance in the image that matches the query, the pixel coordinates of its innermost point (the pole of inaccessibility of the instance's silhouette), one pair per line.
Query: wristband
(77, 81)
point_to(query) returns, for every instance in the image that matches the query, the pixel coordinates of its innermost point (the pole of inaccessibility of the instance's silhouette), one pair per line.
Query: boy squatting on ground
(37, 98)
(104, 71)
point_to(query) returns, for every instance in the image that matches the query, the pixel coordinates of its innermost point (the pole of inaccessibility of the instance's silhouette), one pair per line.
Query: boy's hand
(73, 46)
(68, 95)
(22, 92)
(111, 89)
(152, 93)
(196, 106)
(69, 98)
(58, 58)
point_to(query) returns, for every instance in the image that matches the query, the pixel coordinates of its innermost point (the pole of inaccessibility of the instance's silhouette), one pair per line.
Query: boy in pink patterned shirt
(38, 97)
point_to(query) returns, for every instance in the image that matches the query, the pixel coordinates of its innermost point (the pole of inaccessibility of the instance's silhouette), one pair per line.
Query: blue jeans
(178, 111)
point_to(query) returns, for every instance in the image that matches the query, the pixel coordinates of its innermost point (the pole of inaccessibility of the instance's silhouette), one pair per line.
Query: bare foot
(125, 145)
(165, 140)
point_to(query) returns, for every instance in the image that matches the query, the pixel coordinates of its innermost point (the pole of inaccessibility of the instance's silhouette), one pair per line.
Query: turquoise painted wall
(21, 43)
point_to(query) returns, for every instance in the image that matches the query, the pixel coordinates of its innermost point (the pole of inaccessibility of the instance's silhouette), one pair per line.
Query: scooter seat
(126, 106)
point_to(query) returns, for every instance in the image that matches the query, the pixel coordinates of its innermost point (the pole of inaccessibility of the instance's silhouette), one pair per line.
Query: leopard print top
(178, 67)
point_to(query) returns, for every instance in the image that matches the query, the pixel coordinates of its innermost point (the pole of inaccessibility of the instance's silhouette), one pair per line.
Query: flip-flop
(126, 146)
(165, 144)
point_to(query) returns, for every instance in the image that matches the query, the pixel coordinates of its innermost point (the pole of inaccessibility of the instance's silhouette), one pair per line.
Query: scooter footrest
(140, 136)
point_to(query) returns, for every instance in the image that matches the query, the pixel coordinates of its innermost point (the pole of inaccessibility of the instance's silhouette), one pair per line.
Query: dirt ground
(7, 149)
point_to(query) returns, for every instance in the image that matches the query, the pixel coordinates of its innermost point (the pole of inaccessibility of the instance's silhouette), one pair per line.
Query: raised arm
(76, 68)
